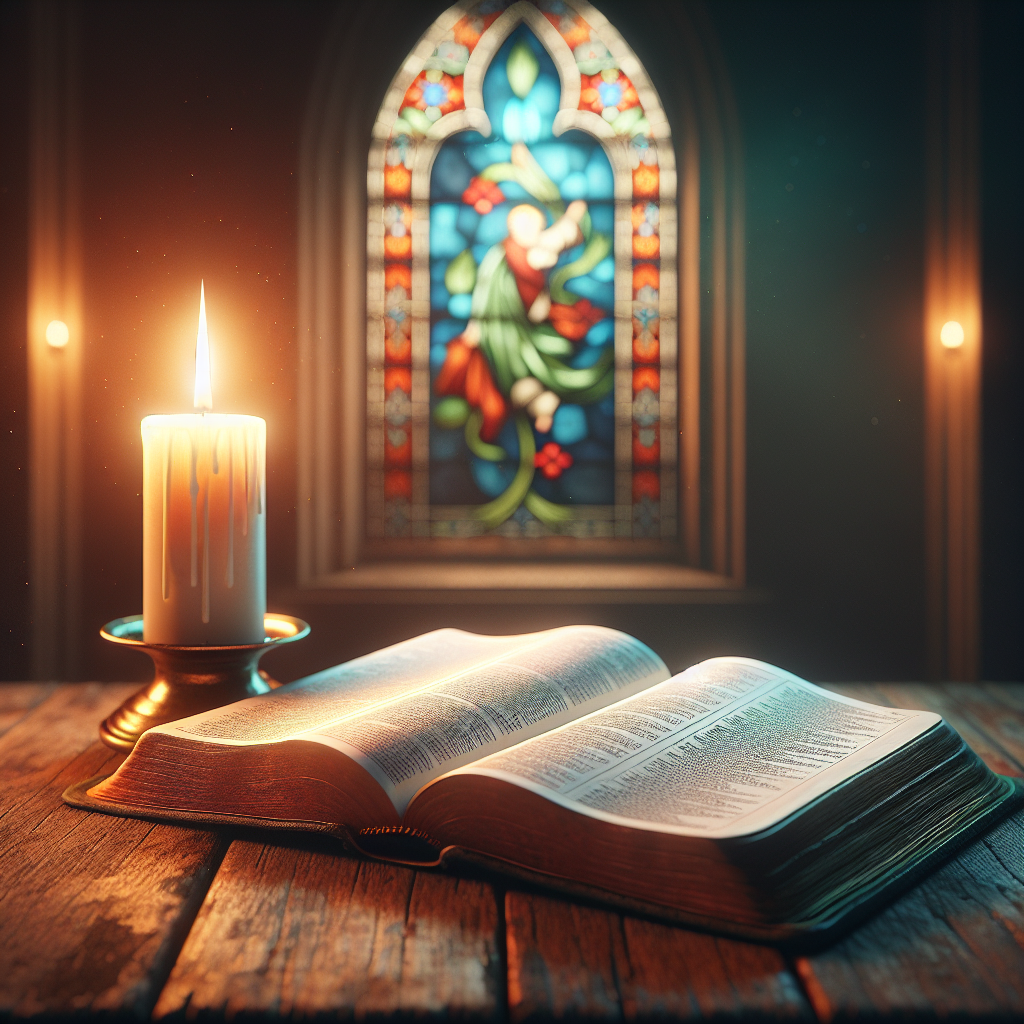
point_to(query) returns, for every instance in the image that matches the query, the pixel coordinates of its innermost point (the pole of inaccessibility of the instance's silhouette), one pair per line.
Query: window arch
(522, 349)
(520, 189)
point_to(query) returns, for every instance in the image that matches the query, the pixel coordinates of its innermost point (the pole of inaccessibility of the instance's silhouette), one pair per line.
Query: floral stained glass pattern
(522, 301)
(528, 308)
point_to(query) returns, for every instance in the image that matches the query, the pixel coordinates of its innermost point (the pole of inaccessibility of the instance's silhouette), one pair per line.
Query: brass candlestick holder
(188, 680)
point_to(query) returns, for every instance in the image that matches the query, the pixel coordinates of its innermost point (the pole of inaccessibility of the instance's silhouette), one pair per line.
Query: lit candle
(203, 521)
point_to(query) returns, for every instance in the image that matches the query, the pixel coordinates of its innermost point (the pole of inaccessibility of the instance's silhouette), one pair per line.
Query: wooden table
(103, 914)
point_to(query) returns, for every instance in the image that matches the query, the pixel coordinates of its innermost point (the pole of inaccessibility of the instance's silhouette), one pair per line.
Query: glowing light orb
(952, 334)
(57, 334)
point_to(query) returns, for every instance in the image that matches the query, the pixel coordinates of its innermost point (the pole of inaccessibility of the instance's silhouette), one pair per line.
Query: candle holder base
(189, 680)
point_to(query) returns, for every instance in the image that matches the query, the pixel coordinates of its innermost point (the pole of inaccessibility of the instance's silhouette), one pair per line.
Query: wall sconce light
(57, 333)
(952, 334)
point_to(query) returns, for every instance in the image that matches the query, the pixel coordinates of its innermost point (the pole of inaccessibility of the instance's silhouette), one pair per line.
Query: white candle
(203, 521)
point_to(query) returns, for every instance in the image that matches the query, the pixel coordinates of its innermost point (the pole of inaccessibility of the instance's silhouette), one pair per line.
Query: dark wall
(14, 92)
(1002, 155)
(832, 102)
(192, 116)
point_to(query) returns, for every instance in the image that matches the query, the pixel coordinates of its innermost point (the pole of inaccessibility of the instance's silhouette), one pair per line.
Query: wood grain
(996, 710)
(568, 962)
(954, 945)
(53, 745)
(299, 932)
(93, 909)
(18, 699)
(1010, 694)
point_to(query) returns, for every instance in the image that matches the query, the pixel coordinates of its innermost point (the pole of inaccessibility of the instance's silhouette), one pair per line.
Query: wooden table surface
(100, 914)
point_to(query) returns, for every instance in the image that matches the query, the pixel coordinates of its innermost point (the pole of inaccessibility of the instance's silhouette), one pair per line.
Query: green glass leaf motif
(627, 120)
(596, 250)
(522, 68)
(460, 277)
(418, 122)
(490, 452)
(451, 412)
(495, 512)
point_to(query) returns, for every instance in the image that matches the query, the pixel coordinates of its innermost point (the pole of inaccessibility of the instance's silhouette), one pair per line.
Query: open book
(733, 795)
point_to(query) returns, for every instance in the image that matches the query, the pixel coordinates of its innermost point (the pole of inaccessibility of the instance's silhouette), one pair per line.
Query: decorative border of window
(335, 554)
(635, 134)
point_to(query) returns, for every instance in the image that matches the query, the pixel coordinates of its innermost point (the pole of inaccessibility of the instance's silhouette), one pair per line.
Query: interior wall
(1002, 498)
(832, 99)
(14, 482)
(191, 121)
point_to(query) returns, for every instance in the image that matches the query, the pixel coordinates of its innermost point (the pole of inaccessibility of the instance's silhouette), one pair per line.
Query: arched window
(520, 187)
(522, 344)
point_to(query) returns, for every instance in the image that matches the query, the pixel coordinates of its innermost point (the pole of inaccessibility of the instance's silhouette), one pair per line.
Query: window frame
(335, 552)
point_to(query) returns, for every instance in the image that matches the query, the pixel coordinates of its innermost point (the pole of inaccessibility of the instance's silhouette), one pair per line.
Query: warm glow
(279, 627)
(952, 334)
(57, 333)
(204, 392)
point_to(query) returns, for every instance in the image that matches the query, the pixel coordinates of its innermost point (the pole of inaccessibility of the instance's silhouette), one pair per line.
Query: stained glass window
(521, 289)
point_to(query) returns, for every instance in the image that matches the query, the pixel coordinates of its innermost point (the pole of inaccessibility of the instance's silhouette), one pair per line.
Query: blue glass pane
(438, 354)
(602, 424)
(599, 176)
(493, 226)
(523, 121)
(545, 96)
(570, 424)
(588, 485)
(508, 440)
(553, 158)
(600, 293)
(445, 445)
(492, 477)
(588, 355)
(497, 92)
(445, 239)
(601, 333)
(591, 450)
(575, 186)
(515, 192)
(444, 330)
(466, 222)
(487, 153)
(451, 175)
(438, 295)
(602, 216)
(570, 255)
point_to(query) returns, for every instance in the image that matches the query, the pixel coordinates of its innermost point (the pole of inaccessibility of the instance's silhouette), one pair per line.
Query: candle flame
(204, 393)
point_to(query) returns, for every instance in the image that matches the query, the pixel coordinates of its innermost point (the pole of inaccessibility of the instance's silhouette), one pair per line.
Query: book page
(330, 695)
(726, 748)
(413, 711)
(546, 680)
